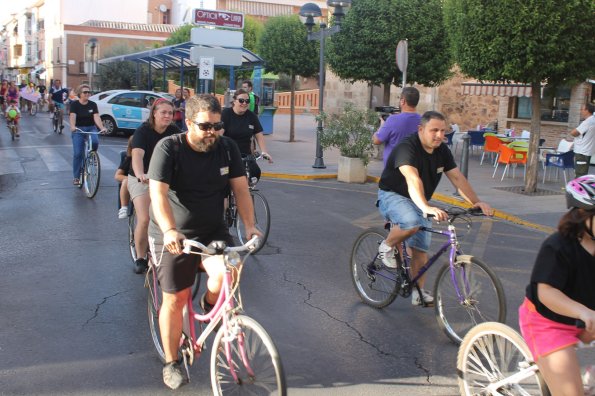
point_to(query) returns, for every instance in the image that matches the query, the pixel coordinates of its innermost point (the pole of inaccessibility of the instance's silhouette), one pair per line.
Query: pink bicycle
(244, 359)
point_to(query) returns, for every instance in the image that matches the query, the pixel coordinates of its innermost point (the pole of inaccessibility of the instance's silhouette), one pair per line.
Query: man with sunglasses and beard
(189, 176)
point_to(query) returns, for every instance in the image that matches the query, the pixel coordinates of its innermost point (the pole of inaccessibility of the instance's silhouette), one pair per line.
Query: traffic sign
(216, 37)
(402, 56)
(206, 68)
(222, 56)
(233, 20)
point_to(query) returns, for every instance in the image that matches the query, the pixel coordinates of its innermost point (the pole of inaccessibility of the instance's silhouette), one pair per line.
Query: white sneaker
(123, 212)
(387, 255)
(415, 300)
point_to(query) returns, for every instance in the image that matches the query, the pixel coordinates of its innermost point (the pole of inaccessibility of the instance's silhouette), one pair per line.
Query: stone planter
(352, 170)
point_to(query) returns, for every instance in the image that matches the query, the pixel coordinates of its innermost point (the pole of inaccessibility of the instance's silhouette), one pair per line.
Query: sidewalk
(540, 211)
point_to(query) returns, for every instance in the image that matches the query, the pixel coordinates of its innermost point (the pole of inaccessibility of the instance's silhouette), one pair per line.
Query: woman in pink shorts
(562, 290)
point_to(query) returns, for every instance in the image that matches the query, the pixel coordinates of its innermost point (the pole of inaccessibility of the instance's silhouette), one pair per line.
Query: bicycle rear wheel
(262, 220)
(252, 355)
(154, 300)
(375, 284)
(483, 297)
(92, 174)
(491, 352)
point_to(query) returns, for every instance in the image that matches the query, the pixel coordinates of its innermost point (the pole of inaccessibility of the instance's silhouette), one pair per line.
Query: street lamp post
(311, 11)
(92, 44)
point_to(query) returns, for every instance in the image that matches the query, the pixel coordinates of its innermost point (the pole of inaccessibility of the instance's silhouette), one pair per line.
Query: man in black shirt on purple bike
(412, 173)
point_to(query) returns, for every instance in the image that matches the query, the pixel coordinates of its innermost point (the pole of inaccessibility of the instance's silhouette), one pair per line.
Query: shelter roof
(173, 56)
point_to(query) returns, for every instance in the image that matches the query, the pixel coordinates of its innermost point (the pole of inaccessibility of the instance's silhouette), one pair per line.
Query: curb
(437, 196)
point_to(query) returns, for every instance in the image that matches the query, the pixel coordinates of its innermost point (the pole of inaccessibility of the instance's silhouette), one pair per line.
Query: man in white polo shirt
(584, 140)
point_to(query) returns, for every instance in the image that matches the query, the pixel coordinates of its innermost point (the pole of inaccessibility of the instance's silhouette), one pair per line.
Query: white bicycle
(494, 360)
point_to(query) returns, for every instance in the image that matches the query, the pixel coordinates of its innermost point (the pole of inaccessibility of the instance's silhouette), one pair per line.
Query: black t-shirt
(125, 164)
(146, 138)
(429, 166)
(84, 113)
(198, 183)
(241, 128)
(565, 265)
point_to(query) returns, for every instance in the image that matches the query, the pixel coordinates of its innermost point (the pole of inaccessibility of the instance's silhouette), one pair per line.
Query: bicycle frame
(222, 311)
(452, 243)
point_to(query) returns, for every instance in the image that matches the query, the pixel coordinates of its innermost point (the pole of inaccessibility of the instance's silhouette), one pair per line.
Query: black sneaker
(173, 375)
(140, 266)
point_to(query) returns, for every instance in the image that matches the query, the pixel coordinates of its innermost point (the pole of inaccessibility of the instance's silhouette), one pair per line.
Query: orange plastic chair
(492, 145)
(510, 156)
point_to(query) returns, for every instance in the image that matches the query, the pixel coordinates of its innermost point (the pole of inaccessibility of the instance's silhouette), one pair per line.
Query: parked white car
(125, 110)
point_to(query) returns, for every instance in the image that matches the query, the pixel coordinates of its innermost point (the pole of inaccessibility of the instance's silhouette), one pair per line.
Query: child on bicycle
(13, 114)
(122, 177)
(561, 291)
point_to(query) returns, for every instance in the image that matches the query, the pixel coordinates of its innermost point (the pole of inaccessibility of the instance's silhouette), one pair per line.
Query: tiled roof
(144, 27)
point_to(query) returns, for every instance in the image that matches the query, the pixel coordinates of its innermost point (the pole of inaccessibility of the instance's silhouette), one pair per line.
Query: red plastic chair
(492, 145)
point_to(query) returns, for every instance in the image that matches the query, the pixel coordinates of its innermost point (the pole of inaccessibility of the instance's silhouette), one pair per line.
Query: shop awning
(496, 89)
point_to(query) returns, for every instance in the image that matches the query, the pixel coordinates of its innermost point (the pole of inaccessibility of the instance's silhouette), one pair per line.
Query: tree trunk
(386, 96)
(292, 110)
(533, 159)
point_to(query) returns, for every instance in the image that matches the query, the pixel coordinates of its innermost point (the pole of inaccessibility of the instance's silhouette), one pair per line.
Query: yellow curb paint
(497, 213)
(298, 177)
(437, 196)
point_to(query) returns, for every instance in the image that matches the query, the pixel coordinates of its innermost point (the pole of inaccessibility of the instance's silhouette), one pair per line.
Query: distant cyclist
(84, 115)
(12, 94)
(57, 95)
(13, 114)
(3, 93)
(561, 291)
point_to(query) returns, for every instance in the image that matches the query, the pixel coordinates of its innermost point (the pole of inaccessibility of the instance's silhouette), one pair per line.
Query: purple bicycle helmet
(580, 193)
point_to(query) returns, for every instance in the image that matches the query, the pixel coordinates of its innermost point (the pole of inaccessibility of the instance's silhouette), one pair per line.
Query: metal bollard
(465, 155)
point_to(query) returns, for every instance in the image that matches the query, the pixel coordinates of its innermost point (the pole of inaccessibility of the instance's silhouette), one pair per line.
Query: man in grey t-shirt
(584, 140)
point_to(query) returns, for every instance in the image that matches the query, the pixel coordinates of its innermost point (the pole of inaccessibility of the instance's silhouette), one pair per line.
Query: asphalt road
(73, 314)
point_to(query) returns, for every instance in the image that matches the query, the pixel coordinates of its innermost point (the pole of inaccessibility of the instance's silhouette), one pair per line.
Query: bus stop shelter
(177, 57)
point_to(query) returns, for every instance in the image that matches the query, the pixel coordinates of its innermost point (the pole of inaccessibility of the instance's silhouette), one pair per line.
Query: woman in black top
(84, 116)
(144, 140)
(242, 126)
(561, 291)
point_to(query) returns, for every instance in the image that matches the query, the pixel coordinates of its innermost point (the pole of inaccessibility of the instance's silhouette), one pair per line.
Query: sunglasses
(242, 101)
(86, 92)
(207, 126)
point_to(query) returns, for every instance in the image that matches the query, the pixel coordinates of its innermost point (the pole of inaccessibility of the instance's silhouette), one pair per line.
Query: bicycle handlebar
(101, 132)
(454, 212)
(219, 247)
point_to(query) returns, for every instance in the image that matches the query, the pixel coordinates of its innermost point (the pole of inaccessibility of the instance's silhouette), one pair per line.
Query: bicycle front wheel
(482, 297)
(131, 228)
(492, 352)
(154, 301)
(33, 109)
(92, 174)
(262, 220)
(375, 283)
(55, 123)
(245, 360)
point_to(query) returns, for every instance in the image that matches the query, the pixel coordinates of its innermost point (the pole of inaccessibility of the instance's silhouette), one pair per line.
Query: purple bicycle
(466, 290)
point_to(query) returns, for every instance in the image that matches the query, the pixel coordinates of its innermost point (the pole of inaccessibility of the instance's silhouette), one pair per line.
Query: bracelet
(168, 230)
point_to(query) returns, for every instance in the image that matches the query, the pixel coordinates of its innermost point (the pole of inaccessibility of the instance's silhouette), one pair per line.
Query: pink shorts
(542, 335)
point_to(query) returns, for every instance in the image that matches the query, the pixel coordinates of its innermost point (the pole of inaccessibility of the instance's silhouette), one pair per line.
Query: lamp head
(339, 6)
(92, 42)
(309, 11)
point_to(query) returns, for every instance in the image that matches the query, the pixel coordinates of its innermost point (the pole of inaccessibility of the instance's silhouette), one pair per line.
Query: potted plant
(350, 131)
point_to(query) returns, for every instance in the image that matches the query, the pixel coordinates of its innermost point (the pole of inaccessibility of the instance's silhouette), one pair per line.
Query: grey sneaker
(173, 375)
(387, 255)
(415, 300)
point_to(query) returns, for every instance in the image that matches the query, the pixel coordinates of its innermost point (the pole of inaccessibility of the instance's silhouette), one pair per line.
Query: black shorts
(177, 272)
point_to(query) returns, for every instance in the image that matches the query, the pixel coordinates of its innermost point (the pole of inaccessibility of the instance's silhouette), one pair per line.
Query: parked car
(125, 110)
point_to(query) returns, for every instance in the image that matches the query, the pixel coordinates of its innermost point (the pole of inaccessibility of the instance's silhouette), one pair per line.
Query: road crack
(98, 306)
(361, 337)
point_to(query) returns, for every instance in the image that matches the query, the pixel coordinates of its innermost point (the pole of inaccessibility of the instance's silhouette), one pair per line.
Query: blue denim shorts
(403, 212)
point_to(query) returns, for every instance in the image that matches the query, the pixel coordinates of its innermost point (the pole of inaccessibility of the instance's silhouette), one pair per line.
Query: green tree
(181, 35)
(531, 41)
(285, 49)
(122, 75)
(364, 49)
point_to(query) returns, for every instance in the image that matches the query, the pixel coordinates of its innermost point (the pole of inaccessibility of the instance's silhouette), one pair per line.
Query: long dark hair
(573, 223)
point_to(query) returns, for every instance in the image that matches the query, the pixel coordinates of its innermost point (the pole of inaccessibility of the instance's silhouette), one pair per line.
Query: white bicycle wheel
(492, 352)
